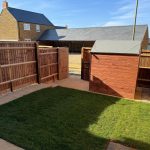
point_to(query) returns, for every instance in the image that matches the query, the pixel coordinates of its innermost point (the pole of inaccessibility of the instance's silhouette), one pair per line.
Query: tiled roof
(95, 33)
(29, 17)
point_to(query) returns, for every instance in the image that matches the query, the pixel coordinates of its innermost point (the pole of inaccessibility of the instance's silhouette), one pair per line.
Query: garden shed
(114, 67)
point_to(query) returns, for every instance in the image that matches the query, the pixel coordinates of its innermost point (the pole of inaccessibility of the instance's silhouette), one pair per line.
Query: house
(21, 25)
(76, 38)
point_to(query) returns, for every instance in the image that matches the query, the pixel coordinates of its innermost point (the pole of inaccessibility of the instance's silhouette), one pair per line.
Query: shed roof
(117, 47)
(95, 33)
(29, 17)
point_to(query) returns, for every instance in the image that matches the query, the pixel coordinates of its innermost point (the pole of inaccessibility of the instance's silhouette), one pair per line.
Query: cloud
(125, 12)
(113, 23)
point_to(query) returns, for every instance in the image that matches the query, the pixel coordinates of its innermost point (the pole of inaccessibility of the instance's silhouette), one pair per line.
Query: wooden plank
(144, 79)
(145, 55)
(44, 46)
(18, 79)
(38, 63)
(144, 67)
(16, 48)
(49, 53)
(49, 76)
(48, 65)
(145, 51)
(16, 64)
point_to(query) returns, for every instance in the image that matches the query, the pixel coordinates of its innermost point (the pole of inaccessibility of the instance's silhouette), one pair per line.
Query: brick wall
(114, 74)
(8, 27)
(31, 34)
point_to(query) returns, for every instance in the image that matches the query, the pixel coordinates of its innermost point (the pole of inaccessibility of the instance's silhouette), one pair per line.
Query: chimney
(5, 4)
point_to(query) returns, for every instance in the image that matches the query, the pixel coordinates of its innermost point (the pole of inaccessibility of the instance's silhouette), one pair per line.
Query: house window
(37, 28)
(26, 26)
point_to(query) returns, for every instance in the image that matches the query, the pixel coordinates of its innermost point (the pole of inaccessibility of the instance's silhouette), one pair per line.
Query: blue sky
(88, 13)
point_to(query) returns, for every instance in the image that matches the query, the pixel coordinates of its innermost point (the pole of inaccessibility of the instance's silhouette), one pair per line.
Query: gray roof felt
(95, 33)
(29, 17)
(119, 47)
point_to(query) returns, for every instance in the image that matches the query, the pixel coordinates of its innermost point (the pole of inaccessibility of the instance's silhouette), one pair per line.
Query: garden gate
(85, 63)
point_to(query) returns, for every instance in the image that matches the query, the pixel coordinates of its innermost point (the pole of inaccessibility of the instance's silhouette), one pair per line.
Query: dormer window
(26, 26)
(37, 28)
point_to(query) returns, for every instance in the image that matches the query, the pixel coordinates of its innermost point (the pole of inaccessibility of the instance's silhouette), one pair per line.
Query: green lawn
(66, 119)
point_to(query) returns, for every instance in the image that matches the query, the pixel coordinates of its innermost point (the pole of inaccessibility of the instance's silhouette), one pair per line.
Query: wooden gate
(86, 62)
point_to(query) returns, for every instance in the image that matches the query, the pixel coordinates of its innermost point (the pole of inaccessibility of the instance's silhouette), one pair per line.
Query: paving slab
(116, 146)
(74, 82)
(21, 92)
(4, 145)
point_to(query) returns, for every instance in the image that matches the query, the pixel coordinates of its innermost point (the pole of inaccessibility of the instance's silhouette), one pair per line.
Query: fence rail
(25, 63)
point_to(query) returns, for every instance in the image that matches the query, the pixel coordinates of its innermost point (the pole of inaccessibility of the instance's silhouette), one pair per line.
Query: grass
(67, 119)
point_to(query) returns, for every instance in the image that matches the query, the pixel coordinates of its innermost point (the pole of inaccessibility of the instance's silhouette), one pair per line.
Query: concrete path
(4, 145)
(75, 63)
(74, 82)
(116, 146)
(21, 92)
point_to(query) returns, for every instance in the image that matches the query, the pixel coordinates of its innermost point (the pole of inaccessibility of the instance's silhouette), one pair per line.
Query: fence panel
(25, 63)
(48, 62)
(18, 65)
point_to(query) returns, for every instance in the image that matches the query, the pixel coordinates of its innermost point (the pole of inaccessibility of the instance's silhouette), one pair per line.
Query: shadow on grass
(57, 119)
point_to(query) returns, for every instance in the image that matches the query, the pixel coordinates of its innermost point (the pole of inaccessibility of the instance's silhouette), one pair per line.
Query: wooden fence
(144, 69)
(24, 63)
(48, 64)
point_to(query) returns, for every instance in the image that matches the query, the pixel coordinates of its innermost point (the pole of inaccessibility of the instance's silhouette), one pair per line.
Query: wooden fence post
(10, 70)
(38, 63)
(0, 78)
(63, 67)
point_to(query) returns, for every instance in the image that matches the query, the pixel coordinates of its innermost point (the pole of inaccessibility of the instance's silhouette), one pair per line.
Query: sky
(87, 13)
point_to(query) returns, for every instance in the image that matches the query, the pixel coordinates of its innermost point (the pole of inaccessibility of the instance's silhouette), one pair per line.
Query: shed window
(37, 28)
(26, 26)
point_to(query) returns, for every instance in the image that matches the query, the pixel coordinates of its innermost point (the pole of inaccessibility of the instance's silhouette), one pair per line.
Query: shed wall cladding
(114, 74)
